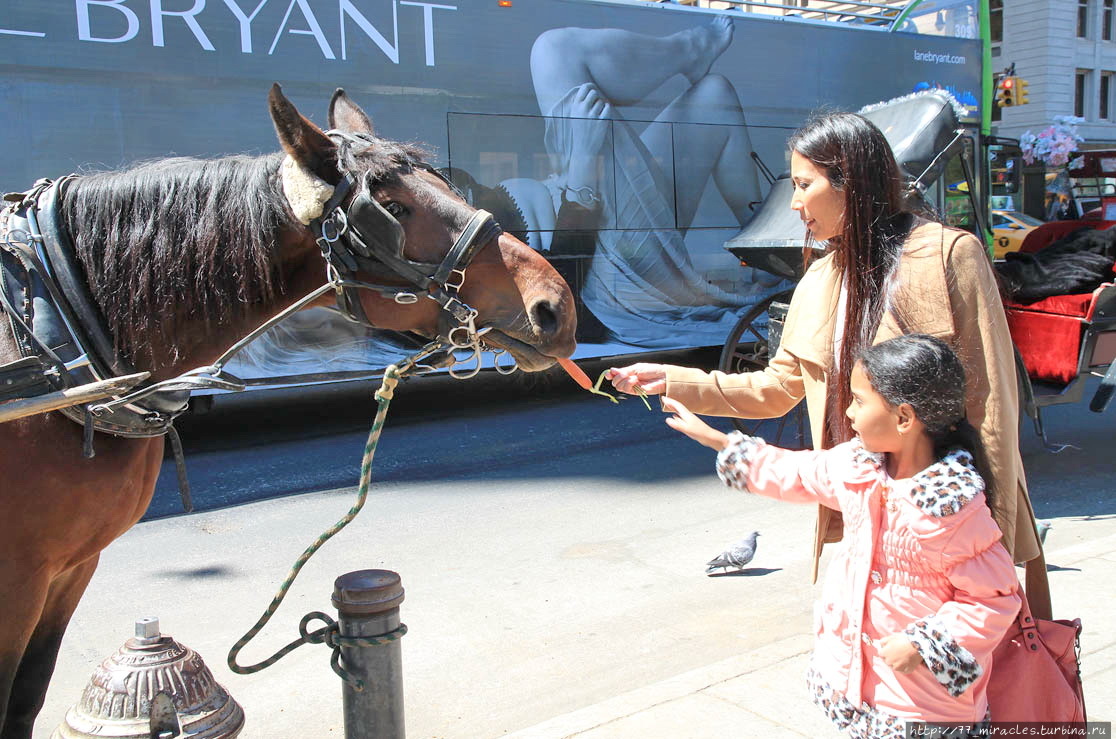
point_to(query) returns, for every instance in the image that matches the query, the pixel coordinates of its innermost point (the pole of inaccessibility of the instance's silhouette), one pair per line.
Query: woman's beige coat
(945, 287)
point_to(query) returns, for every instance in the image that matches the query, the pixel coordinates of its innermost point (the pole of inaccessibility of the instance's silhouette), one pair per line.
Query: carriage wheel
(746, 350)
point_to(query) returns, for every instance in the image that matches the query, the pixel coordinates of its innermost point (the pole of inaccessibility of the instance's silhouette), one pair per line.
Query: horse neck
(185, 256)
(199, 342)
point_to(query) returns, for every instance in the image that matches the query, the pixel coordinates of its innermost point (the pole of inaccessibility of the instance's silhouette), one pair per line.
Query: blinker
(378, 231)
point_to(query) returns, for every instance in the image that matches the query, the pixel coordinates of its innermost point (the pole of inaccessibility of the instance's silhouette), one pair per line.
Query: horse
(182, 257)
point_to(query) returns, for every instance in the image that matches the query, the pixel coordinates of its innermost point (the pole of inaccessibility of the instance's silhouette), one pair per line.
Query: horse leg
(41, 652)
(23, 605)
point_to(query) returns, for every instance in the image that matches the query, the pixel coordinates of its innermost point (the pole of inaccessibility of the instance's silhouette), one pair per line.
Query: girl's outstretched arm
(689, 424)
(750, 464)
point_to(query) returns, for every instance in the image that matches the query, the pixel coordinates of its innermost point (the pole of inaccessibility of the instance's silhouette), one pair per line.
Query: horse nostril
(544, 318)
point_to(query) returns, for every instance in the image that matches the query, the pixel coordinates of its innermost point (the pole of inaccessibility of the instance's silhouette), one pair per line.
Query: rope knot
(324, 635)
(388, 384)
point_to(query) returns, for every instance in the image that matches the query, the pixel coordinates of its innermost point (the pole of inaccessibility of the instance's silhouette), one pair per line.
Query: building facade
(1066, 51)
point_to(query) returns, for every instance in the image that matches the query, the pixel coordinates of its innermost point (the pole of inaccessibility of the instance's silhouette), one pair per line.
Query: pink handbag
(1035, 672)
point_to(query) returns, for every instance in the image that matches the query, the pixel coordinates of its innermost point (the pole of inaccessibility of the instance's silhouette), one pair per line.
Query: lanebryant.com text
(1092, 729)
(936, 58)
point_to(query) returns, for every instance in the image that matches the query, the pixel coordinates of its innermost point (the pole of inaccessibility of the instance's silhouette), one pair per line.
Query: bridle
(362, 236)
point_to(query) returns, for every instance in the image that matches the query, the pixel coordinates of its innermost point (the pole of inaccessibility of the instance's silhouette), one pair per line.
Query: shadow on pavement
(747, 572)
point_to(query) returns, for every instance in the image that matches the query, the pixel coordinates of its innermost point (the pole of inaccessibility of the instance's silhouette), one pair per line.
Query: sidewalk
(762, 692)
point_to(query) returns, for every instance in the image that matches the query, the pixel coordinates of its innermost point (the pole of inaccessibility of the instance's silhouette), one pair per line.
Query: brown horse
(183, 257)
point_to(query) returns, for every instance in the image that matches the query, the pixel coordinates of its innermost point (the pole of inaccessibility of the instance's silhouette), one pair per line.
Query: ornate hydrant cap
(153, 687)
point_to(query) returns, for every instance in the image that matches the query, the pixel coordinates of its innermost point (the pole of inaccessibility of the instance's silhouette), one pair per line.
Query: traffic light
(1021, 91)
(1006, 91)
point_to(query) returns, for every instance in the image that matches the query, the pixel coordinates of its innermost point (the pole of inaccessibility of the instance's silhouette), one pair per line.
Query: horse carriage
(124, 291)
(1064, 334)
(1060, 342)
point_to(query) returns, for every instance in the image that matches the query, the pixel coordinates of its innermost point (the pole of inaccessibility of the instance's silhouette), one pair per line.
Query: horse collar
(65, 325)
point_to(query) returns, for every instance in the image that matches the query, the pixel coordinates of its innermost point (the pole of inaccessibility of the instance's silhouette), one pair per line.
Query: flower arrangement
(1053, 145)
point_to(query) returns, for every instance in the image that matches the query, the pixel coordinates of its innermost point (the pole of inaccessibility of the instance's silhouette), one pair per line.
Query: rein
(330, 633)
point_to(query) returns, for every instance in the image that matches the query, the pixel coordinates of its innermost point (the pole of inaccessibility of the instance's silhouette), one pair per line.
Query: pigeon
(738, 555)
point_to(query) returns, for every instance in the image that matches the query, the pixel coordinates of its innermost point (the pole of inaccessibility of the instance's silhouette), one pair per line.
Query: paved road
(266, 445)
(551, 549)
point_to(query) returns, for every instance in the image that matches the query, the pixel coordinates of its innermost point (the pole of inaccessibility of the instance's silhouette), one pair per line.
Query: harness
(55, 321)
(364, 236)
(58, 326)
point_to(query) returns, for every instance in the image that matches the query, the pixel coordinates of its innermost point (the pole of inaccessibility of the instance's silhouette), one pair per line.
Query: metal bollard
(367, 603)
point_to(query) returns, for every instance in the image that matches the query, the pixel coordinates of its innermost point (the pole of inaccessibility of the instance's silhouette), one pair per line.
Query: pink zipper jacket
(921, 556)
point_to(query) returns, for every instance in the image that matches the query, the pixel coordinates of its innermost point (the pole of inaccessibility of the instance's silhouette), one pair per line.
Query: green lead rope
(330, 634)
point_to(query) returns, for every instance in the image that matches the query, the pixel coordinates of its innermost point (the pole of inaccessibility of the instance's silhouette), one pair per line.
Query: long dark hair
(924, 372)
(857, 160)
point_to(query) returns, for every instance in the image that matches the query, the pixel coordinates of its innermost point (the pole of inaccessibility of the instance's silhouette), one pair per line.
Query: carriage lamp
(152, 687)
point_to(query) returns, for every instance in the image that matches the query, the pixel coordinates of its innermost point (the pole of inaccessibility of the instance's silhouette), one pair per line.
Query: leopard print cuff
(733, 461)
(952, 665)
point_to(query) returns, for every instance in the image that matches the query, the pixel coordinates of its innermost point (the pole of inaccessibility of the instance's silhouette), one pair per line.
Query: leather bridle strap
(364, 236)
(481, 229)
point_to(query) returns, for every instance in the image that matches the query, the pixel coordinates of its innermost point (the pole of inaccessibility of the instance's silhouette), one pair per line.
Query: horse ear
(345, 115)
(304, 142)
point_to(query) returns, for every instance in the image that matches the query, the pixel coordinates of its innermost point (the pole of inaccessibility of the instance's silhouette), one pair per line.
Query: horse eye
(395, 209)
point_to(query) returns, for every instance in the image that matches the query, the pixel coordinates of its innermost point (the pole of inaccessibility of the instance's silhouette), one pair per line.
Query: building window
(996, 20)
(1106, 22)
(996, 25)
(1079, 94)
(1105, 95)
(1083, 18)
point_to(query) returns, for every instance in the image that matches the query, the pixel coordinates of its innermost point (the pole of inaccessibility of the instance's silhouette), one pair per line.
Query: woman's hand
(589, 128)
(899, 653)
(589, 102)
(650, 377)
(689, 424)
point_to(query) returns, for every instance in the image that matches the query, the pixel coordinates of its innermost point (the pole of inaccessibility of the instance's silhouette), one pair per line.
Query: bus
(627, 140)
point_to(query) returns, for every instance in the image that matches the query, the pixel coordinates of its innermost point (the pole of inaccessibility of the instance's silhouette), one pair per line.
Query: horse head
(416, 235)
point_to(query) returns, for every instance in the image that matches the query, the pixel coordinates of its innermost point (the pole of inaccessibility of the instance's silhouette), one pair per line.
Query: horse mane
(176, 240)
(183, 239)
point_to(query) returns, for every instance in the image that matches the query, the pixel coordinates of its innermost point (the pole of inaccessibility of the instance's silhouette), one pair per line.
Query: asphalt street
(270, 444)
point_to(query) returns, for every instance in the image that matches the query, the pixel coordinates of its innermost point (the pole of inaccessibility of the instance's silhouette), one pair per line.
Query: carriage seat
(1048, 333)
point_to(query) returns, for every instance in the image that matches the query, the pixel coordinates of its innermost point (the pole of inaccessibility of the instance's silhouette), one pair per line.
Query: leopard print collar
(940, 490)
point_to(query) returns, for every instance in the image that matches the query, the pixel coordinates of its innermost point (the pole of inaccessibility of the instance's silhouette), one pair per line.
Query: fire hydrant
(152, 688)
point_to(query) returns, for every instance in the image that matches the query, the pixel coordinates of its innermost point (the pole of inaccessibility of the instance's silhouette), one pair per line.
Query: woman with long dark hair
(885, 272)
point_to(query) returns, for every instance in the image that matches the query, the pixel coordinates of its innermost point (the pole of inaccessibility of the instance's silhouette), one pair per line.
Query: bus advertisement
(626, 140)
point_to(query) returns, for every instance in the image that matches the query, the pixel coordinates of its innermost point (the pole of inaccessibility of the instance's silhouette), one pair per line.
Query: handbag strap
(1036, 599)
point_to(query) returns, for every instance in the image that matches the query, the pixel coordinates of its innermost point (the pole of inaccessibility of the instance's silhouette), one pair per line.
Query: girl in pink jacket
(921, 591)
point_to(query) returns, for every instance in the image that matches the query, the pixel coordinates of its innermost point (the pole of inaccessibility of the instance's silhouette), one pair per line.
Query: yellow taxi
(1009, 228)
